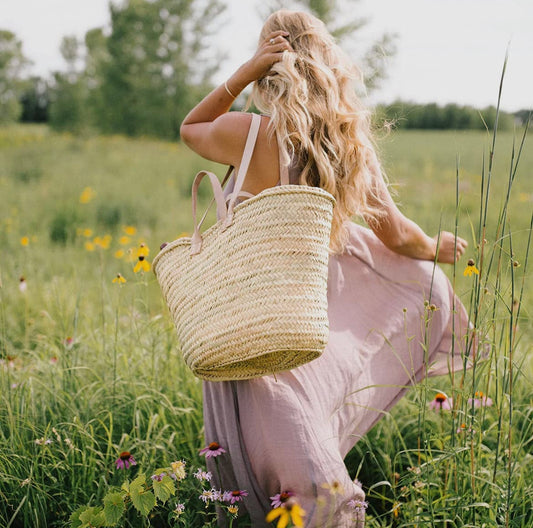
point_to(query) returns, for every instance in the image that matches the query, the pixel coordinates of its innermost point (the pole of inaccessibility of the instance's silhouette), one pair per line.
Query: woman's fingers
(278, 46)
(277, 42)
(275, 35)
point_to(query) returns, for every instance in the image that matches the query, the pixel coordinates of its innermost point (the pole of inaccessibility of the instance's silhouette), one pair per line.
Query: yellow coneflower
(119, 253)
(143, 250)
(102, 242)
(334, 488)
(124, 240)
(87, 195)
(470, 268)
(290, 511)
(24, 241)
(89, 246)
(119, 279)
(130, 230)
(142, 265)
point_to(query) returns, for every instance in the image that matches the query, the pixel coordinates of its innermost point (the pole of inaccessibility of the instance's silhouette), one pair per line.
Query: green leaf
(92, 517)
(165, 489)
(142, 499)
(75, 517)
(138, 482)
(113, 508)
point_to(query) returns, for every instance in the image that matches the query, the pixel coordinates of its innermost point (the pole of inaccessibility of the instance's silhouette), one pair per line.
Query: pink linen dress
(292, 431)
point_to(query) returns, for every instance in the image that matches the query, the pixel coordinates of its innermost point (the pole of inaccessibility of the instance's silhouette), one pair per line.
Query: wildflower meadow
(101, 422)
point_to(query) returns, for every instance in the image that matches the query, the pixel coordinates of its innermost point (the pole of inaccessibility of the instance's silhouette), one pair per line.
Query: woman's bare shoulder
(231, 130)
(231, 125)
(220, 140)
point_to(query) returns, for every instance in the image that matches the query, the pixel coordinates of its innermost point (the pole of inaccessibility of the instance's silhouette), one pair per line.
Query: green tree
(144, 76)
(97, 60)
(69, 92)
(35, 100)
(12, 64)
(345, 29)
(154, 65)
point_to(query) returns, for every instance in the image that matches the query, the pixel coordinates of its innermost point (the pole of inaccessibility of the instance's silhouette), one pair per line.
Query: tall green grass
(94, 368)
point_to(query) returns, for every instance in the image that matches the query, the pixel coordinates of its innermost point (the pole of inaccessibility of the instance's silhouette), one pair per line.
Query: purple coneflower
(234, 496)
(441, 402)
(480, 400)
(212, 450)
(125, 460)
(281, 498)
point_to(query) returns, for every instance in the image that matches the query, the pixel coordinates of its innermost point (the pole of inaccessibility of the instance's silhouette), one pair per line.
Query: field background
(98, 362)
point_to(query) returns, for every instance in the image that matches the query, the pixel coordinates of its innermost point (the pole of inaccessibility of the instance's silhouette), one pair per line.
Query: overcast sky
(448, 50)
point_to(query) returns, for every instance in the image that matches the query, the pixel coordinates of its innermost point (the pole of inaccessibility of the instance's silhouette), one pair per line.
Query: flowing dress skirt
(392, 319)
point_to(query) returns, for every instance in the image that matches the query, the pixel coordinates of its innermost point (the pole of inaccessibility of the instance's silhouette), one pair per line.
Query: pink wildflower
(281, 498)
(212, 450)
(441, 402)
(125, 460)
(480, 400)
(208, 495)
(203, 475)
(234, 496)
(359, 506)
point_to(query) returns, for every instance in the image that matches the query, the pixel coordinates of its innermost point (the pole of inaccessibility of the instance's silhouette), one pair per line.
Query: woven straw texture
(254, 300)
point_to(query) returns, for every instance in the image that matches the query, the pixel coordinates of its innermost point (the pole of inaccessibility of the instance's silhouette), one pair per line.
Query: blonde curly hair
(320, 122)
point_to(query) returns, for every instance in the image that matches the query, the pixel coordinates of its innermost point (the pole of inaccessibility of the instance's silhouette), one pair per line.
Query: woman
(290, 433)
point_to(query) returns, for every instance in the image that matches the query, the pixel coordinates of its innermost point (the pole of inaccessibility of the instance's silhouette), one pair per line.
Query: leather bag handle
(196, 240)
(243, 168)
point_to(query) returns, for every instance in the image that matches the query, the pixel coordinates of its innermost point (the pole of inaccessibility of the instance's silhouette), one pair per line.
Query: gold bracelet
(228, 90)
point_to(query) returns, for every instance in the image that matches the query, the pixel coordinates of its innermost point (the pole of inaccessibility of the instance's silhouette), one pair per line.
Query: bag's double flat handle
(196, 240)
(243, 168)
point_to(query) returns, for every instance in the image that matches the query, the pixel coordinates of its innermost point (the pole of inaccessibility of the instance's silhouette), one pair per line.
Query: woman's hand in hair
(268, 53)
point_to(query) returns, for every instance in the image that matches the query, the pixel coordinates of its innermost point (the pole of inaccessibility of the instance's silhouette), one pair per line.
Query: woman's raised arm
(209, 129)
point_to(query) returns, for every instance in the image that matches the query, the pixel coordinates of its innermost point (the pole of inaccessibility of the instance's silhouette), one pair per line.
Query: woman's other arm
(404, 236)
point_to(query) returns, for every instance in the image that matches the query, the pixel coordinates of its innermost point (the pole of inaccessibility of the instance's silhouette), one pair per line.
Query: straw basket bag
(249, 295)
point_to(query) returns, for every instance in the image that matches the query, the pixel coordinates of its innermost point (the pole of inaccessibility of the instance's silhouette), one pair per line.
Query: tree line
(408, 115)
(143, 74)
